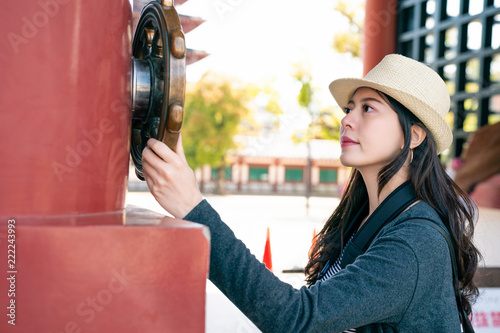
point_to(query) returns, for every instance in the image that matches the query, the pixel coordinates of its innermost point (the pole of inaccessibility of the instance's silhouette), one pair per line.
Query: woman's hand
(169, 178)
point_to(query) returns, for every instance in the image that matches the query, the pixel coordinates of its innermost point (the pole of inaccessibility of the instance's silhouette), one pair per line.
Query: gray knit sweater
(402, 283)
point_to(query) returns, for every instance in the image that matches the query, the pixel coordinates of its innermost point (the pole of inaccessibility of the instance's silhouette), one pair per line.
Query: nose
(349, 120)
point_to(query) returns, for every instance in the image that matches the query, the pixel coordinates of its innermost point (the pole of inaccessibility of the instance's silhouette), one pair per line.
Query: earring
(411, 155)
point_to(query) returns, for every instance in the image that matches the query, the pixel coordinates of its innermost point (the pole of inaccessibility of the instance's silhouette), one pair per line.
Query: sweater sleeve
(377, 287)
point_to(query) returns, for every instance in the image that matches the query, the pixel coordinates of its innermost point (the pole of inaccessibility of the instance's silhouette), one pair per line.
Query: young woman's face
(370, 135)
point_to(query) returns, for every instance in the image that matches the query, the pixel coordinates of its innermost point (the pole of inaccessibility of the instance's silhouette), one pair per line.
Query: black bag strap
(464, 319)
(392, 206)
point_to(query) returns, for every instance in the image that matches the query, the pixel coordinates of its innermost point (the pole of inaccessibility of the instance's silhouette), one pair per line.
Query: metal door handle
(158, 79)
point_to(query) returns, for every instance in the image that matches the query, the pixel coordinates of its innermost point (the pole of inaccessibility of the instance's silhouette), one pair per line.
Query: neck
(371, 182)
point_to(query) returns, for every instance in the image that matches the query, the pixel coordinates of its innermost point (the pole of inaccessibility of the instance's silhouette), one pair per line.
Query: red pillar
(379, 31)
(91, 273)
(73, 260)
(65, 94)
(240, 173)
(276, 174)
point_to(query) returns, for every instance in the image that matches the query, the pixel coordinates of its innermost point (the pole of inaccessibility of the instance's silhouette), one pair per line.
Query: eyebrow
(366, 99)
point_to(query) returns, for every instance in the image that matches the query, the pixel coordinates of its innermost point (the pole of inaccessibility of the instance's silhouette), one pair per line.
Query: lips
(347, 141)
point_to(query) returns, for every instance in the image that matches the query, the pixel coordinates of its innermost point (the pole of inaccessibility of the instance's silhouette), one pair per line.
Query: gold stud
(178, 44)
(175, 113)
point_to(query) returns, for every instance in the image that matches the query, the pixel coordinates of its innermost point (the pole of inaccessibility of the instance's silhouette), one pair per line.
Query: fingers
(160, 163)
(170, 179)
(165, 153)
(150, 173)
(152, 160)
(161, 149)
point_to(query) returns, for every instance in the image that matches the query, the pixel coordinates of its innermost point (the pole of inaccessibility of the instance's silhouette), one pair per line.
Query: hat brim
(342, 90)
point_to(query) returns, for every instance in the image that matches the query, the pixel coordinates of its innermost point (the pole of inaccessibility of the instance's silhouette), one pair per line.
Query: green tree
(215, 107)
(306, 93)
(325, 122)
(305, 100)
(349, 40)
(263, 98)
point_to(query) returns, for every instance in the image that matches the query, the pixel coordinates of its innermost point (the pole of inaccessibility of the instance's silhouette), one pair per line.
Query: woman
(391, 136)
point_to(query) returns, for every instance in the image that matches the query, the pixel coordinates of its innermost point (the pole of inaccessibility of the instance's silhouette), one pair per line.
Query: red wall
(65, 95)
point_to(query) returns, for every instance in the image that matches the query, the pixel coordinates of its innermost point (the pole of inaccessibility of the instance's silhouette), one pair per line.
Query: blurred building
(280, 167)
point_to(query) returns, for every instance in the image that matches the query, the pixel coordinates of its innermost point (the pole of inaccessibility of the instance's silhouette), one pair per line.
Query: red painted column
(379, 31)
(65, 96)
(73, 260)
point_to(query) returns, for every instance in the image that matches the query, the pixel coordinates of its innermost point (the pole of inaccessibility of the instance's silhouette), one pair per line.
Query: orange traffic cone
(268, 261)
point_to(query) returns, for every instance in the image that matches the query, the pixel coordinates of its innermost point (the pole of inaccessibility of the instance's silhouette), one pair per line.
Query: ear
(418, 135)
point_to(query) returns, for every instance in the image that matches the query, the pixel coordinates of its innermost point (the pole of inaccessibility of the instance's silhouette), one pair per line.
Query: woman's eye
(347, 110)
(367, 108)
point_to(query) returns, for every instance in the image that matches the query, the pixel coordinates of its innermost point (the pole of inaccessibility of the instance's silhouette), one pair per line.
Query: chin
(347, 162)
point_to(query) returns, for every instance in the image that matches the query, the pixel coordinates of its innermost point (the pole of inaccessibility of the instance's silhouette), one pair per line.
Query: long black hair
(432, 185)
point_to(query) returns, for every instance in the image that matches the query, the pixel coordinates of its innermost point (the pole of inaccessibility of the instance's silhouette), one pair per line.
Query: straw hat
(411, 83)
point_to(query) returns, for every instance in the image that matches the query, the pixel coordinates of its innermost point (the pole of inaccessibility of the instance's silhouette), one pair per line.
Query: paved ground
(291, 231)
